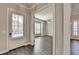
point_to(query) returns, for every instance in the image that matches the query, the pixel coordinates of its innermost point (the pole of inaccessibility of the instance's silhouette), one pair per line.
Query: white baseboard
(29, 43)
(4, 51)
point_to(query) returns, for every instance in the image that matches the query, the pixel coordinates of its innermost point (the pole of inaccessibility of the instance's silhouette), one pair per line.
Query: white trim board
(7, 50)
(4, 51)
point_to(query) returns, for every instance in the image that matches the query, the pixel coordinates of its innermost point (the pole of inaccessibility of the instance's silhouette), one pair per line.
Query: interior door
(16, 34)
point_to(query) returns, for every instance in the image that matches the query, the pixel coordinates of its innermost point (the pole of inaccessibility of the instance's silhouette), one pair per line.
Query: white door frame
(7, 28)
(54, 45)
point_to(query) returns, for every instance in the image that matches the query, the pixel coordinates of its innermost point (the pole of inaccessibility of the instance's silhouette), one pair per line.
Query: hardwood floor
(43, 46)
(74, 47)
(24, 50)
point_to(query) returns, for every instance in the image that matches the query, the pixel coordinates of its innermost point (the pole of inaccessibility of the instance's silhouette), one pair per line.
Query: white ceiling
(29, 5)
(45, 12)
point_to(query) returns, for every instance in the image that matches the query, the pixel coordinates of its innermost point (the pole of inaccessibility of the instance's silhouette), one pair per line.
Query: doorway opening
(44, 27)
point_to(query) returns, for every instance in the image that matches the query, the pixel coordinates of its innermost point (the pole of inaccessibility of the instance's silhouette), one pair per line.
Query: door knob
(10, 34)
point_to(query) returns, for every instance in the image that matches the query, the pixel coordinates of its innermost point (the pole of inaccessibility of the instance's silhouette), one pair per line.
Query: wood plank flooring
(74, 47)
(43, 46)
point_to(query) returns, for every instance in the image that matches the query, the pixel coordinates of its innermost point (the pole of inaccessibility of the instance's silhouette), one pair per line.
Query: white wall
(50, 28)
(59, 28)
(62, 17)
(66, 28)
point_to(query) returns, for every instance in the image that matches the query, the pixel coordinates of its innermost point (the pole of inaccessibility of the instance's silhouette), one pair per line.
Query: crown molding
(28, 7)
(22, 6)
(34, 5)
(43, 7)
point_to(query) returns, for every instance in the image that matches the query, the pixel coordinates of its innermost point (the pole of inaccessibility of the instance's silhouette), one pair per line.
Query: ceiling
(29, 5)
(45, 12)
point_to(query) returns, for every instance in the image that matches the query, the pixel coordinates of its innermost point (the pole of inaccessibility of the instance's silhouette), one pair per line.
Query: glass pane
(75, 24)
(75, 31)
(75, 28)
(17, 25)
(78, 27)
(42, 28)
(14, 25)
(37, 28)
(20, 25)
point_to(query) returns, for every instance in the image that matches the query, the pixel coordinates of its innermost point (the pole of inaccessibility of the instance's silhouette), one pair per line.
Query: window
(76, 28)
(41, 27)
(37, 28)
(17, 25)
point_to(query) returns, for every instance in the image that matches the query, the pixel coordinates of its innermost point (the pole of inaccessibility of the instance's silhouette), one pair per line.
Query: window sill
(17, 37)
(76, 38)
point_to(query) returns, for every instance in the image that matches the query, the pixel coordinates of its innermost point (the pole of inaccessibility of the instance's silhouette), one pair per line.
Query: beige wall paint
(63, 13)
(50, 28)
(67, 28)
(3, 29)
(3, 25)
(59, 29)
